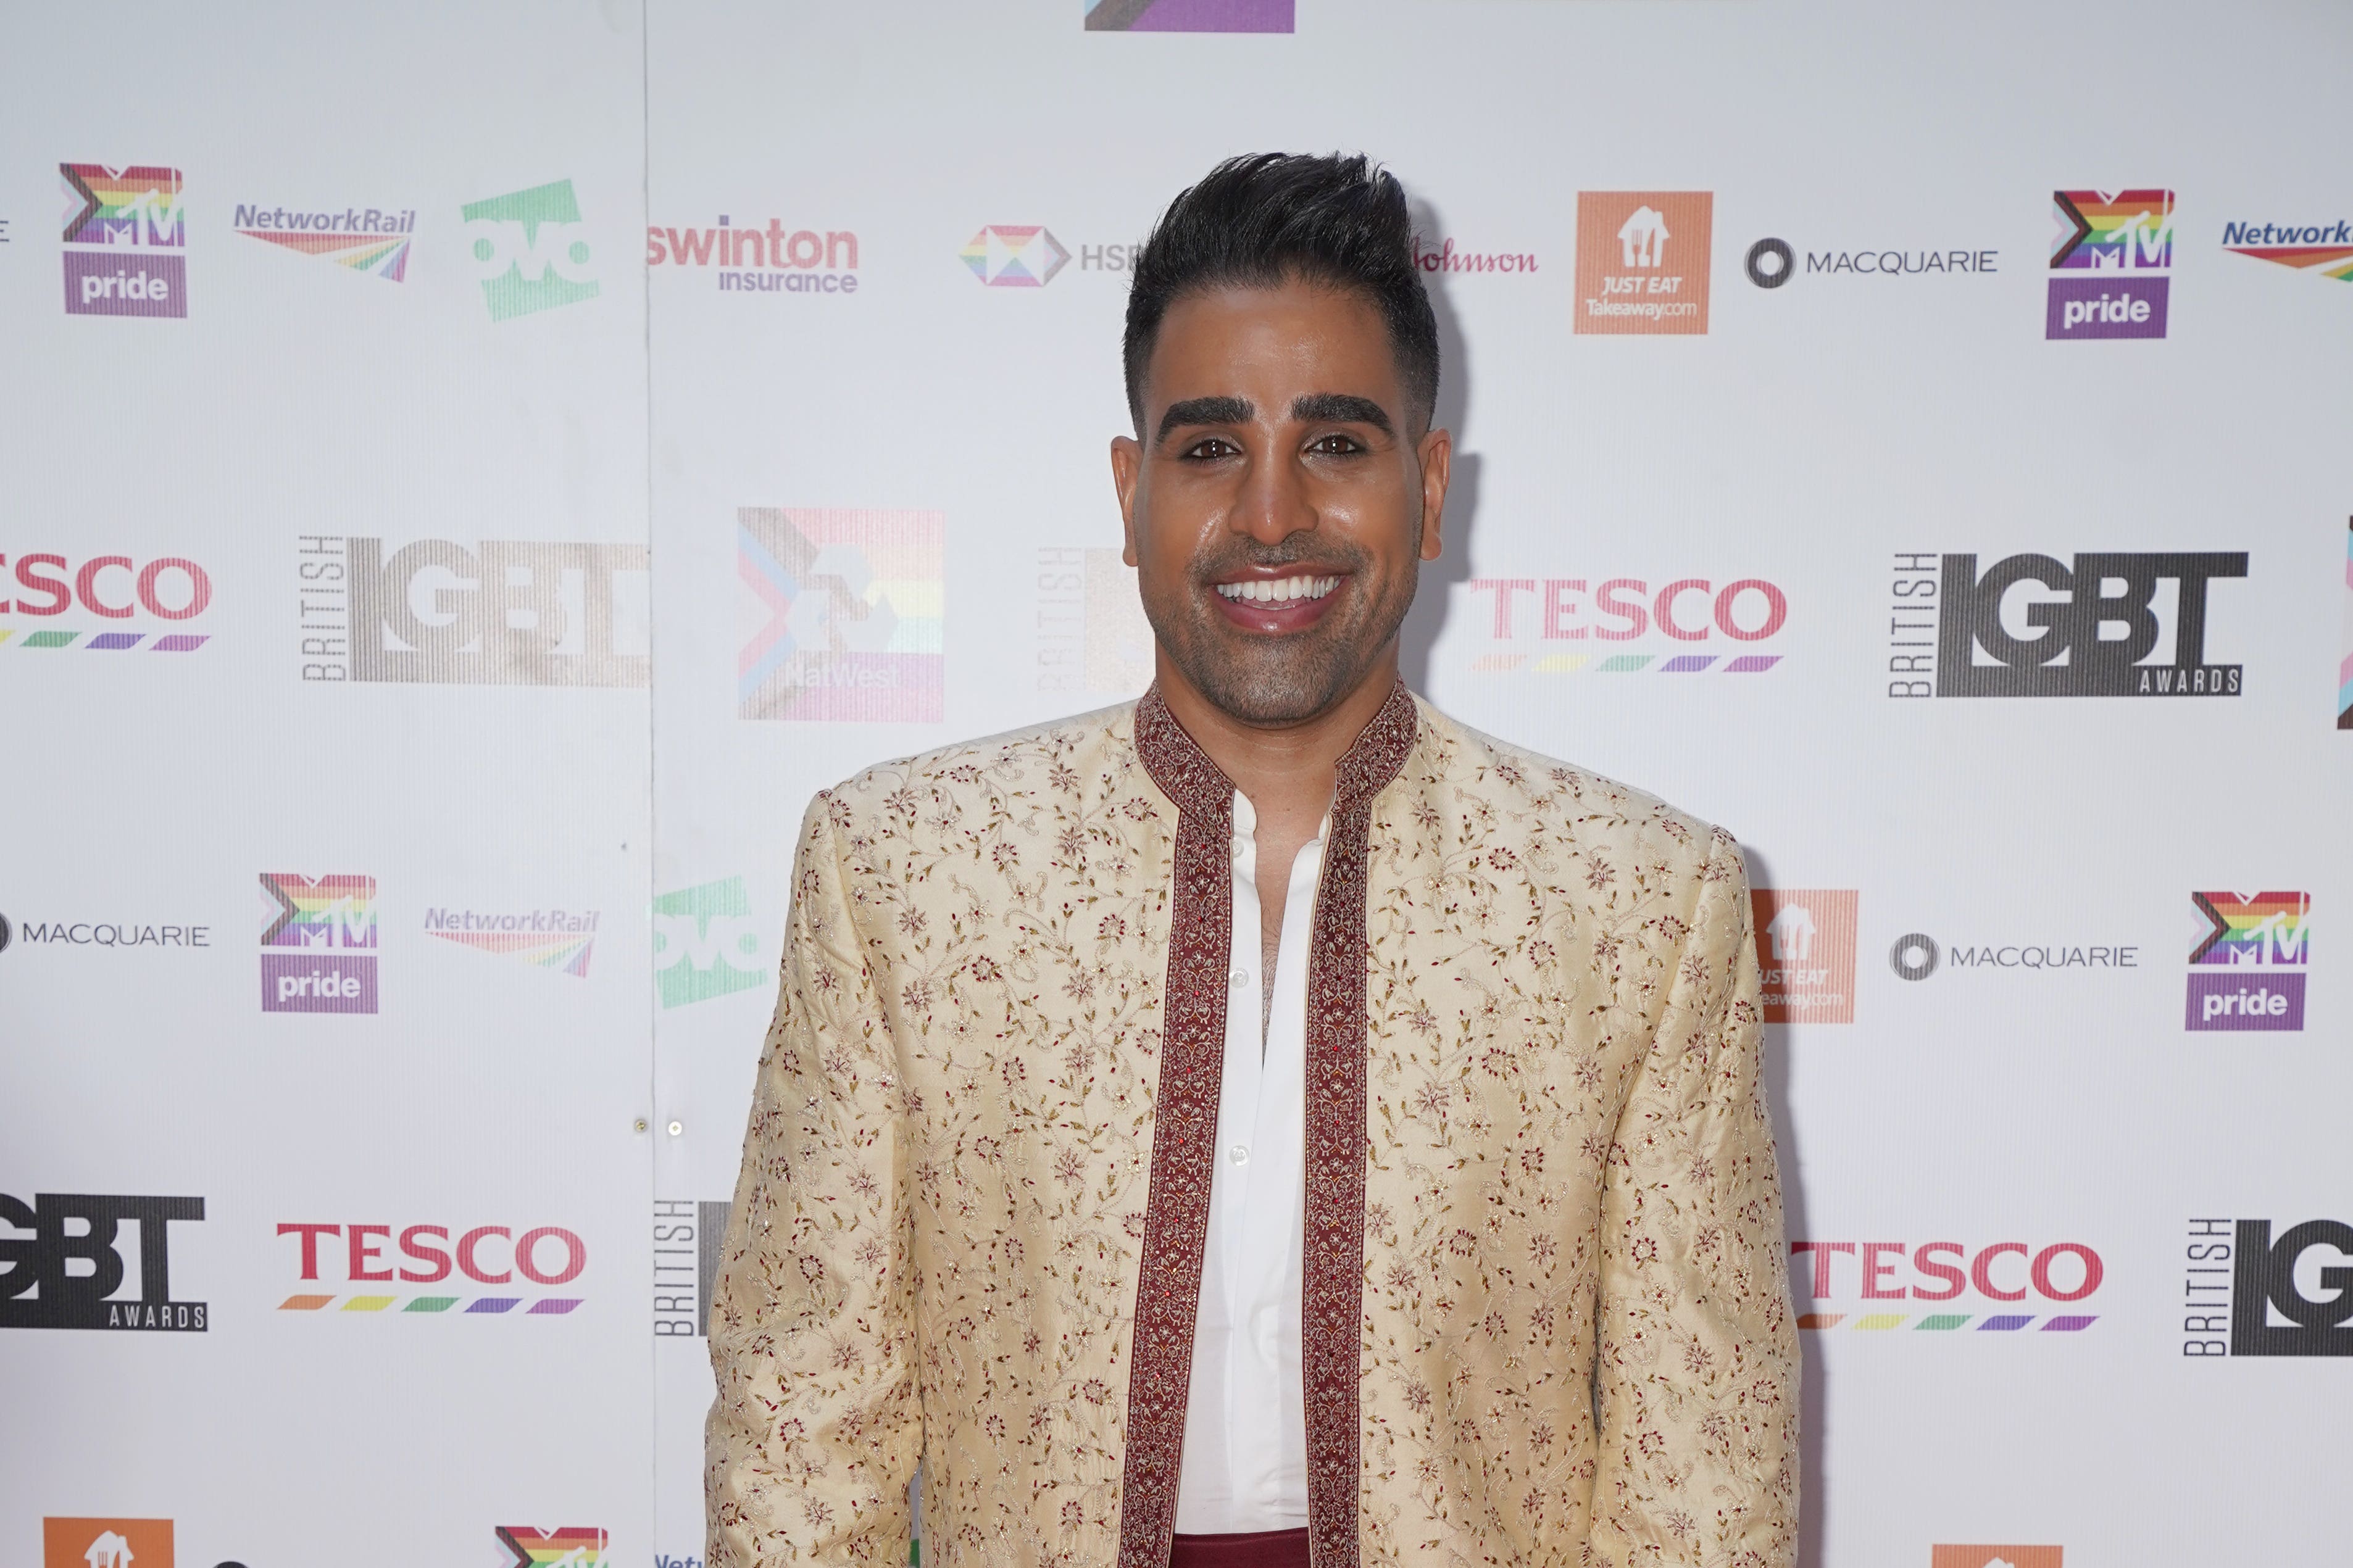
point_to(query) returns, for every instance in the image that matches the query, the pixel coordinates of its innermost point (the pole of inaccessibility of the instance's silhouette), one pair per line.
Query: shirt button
(1238, 1155)
(1239, 978)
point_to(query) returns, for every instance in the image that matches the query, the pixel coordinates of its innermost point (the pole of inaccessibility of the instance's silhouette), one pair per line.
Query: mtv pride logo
(1643, 260)
(318, 943)
(1190, 16)
(106, 1543)
(2247, 968)
(1805, 952)
(1014, 255)
(530, 250)
(706, 944)
(125, 240)
(2112, 252)
(572, 1546)
(839, 612)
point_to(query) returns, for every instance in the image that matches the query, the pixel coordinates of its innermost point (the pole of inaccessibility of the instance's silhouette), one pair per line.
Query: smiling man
(1266, 1123)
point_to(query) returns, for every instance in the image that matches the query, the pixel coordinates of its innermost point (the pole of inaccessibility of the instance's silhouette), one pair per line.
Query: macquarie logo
(572, 1546)
(840, 614)
(498, 613)
(530, 250)
(561, 940)
(1884, 1286)
(1014, 255)
(2326, 248)
(752, 260)
(126, 240)
(1189, 16)
(1805, 953)
(2106, 623)
(1643, 260)
(370, 240)
(483, 1270)
(89, 1260)
(2247, 968)
(1091, 634)
(1916, 955)
(2110, 262)
(706, 944)
(131, 933)
(1686, 625)
(107, 1543)
(1772, 262)
(2256, 1288)
(687, 1237)
(318, 943)
(158, 595)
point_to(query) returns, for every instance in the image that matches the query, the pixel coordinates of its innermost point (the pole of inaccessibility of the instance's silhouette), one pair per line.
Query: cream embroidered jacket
(1546, 1319)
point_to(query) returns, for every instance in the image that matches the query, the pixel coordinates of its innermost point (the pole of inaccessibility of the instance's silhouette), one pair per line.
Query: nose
(1273, 504)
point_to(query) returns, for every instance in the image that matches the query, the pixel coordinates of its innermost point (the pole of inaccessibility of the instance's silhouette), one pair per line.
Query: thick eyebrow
(1204, 411)
(1341, 407)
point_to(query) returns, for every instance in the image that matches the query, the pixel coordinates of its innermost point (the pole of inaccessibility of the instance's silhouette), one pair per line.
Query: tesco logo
(1622, 609)
(427, 1254)
(114, 587)
(1942, 1270)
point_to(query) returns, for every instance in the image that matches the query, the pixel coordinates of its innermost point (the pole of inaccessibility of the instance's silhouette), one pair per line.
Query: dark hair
(1266, 218)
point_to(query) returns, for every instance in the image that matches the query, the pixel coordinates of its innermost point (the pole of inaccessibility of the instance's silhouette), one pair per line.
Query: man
(1266, 1123)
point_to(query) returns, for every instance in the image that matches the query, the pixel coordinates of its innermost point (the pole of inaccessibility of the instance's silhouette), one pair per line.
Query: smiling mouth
(1279, 592)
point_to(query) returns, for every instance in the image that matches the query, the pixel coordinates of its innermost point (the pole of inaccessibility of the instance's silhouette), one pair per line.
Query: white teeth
(1280, 591)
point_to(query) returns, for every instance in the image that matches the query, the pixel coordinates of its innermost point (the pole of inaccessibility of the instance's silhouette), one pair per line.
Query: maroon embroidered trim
(1185, 1115)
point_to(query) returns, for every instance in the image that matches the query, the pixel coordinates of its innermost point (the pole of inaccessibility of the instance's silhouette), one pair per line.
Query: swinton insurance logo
(560, 940)
(2263, 1288)
(2326, 249)
(1682, 625)
(483, 1270)
(1875, 1287)
(570, 1546)
(1014, 255)
(530, 250)
(1805, 953)
(499, 613)
(1091, 634)
(2247, 968)
(839, 612)
(90, 1260)
(752, 260)
(706, 944)
(1189, 16)
(1643, 260)
(157, 596)
(2109, 261)
(2106, 624)
(370, 240)
(318, 943)
(126, 241)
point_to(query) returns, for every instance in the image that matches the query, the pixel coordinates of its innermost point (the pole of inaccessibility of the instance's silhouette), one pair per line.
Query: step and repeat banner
(468, 474)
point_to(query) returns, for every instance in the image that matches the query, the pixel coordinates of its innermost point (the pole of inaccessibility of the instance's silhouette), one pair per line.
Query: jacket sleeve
(1696, 1377)
(816, 1431)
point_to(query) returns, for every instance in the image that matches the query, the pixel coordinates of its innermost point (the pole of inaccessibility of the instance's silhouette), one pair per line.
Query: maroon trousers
(1258, 1549)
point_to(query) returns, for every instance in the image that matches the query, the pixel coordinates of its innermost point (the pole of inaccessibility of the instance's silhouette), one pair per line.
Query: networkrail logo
(318, 943)
(841, 611)
(2326, 249)
(370, 240)
(2259, 1288)
(560, 940)
(530, 250)
(2110, 262)
(572, 1546)
(706, 944)
(2247, 967)
(126, 238)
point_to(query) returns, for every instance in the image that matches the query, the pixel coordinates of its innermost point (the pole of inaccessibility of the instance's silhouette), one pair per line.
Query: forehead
(1293, 337)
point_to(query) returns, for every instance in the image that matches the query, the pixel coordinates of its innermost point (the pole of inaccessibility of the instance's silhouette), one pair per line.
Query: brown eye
(1334, 445)
(1214, 447)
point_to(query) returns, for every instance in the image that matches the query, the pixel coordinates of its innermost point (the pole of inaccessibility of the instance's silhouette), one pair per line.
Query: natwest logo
(754, 261)
(79, 1269)
(456, 1257)
(2106, 623)
(1729, 618)
(110, 589)
(1851, 1277)
(1643, 260)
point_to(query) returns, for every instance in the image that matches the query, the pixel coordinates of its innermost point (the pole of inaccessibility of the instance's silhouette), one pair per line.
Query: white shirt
(1245, 1461)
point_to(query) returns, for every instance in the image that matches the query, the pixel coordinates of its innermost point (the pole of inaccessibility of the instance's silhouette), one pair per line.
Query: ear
(1436, 451)
(1126, 468)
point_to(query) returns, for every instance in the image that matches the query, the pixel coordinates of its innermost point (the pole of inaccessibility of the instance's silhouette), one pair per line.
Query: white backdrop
(717, 401)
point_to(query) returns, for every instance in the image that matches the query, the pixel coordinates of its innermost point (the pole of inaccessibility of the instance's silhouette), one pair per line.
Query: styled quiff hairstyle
(1269, 218)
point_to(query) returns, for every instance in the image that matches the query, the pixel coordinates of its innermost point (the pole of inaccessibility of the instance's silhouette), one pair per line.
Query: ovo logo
(530, 250)
(706, 942)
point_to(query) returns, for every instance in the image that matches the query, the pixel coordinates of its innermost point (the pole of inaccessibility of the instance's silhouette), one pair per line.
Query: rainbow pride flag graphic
(138, 204)
(573, 1546)
(334, 911)
(2253, 928)
(840, 614)
(2126, 231)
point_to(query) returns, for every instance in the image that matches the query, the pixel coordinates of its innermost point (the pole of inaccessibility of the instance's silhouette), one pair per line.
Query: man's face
(1279, 500)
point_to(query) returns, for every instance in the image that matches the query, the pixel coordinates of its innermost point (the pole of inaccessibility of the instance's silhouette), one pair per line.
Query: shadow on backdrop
(1439, 578)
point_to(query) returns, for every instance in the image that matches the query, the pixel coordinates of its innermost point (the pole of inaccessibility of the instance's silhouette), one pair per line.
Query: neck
(1288, 771)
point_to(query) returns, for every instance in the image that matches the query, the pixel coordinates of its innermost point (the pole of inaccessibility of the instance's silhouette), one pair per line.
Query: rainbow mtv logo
(2247, 970)
(318, 943)
(125, 240)
(1014, 255)
(840, 614)
(2123, 231)
(572, 1546)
